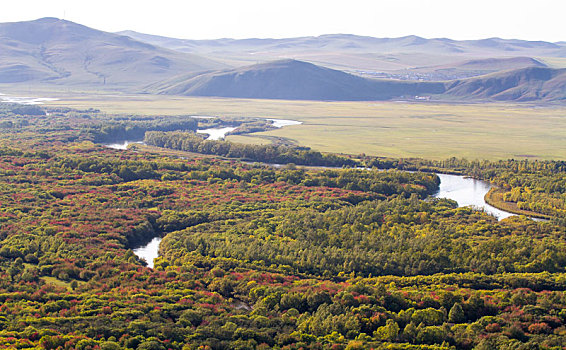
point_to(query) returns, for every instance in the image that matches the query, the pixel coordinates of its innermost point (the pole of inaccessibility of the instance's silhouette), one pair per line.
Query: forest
(261, 257)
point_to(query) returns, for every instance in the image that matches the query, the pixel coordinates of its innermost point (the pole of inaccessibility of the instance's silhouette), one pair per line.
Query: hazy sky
(207, 19)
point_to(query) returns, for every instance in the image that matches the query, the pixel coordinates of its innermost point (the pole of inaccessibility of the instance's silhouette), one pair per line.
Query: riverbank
(494, 197)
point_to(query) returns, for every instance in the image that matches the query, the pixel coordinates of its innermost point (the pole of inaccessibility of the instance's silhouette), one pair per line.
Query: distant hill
(359, 54)
(469, 68)
(527, 84)
(63, 52)
(496, 64)
(328, 67)
(294, 80)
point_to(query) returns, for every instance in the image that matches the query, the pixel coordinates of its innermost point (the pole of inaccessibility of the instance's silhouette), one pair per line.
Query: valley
(331, 191)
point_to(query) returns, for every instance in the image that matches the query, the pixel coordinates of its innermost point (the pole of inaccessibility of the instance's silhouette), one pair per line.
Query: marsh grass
(392, 129)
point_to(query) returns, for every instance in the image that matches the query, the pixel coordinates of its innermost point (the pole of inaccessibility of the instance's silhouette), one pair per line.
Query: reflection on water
(466, 192)
(149, 252)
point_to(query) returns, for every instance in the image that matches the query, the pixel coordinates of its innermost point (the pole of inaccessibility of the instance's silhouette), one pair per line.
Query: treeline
(191, 142)
(14, 109)
(135, 130)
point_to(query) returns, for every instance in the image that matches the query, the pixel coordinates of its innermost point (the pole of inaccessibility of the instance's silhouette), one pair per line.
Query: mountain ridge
(353, 53)
(64, 52)
(327, 67)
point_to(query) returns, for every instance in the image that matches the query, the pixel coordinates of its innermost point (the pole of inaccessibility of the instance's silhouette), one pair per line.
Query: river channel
(466, 191)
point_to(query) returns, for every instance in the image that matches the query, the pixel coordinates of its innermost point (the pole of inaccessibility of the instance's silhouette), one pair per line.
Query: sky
(212, 19)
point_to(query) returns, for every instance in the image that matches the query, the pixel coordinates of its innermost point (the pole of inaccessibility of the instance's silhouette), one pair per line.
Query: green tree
(456, 314)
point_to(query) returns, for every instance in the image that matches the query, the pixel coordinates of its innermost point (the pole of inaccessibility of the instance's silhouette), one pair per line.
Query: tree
(456, 314)
(389, 332)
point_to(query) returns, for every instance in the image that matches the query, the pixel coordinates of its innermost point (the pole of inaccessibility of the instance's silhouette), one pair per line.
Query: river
(220, 133)
(465, 191)
(149, 251)
(279, 123)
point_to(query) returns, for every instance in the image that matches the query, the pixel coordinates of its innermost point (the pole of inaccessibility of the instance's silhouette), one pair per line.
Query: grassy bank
(495, 198)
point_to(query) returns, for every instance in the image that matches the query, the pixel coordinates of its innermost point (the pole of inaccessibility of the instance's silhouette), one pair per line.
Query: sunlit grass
(394, 129)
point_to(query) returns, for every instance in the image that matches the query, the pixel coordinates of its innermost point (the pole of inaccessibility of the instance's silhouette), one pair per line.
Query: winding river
(465, 191)
(123, 145)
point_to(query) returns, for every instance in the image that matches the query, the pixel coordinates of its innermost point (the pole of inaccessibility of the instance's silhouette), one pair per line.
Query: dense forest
(259, 257)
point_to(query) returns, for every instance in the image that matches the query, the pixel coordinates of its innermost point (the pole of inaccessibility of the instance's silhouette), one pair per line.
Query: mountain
(293, 80)
(331, 67)
(527, 84)
(62, 52)
(358, 54)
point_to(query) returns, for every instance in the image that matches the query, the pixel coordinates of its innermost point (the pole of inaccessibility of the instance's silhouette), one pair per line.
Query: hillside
(527, 84)
(294, 80)
(63, 52)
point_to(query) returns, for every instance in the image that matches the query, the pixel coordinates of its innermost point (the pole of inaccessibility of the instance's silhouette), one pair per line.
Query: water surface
(216, 133)
(123, 145)
(279, 123)
(149, 251)
(467, 191)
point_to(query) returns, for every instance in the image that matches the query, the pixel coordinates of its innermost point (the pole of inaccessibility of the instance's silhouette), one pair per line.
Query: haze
(517, 19)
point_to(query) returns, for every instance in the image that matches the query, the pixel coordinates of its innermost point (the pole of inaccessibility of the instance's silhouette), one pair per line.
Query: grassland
(394, 129)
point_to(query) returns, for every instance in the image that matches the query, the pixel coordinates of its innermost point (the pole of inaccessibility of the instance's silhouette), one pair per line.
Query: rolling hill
(296, 80)
(527, 84)
(293, 80)
(50, 50)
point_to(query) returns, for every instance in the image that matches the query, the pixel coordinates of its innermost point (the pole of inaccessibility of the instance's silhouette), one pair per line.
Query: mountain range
(361, 54)
(50, 51)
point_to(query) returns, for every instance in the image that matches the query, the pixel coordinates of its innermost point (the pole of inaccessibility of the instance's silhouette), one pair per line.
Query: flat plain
(430, 130)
